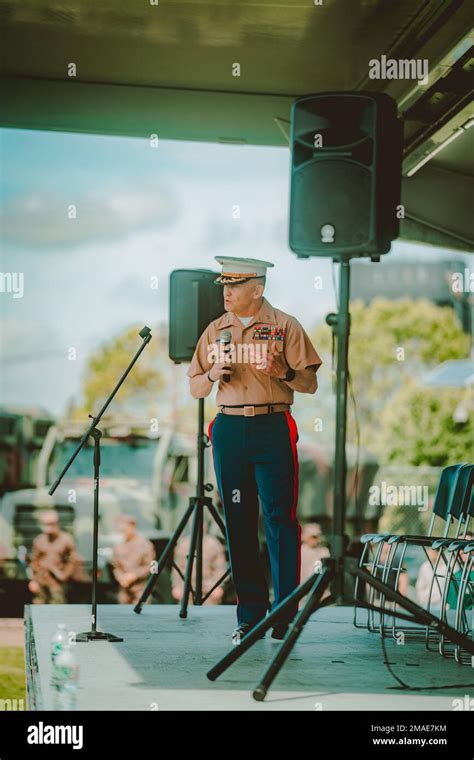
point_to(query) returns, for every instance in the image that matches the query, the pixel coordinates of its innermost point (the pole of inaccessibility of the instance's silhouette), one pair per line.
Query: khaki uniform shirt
(53, 561)
(249, 385)
(134, 556)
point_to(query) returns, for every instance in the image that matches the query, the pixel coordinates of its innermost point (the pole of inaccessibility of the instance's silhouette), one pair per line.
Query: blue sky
(141, 212)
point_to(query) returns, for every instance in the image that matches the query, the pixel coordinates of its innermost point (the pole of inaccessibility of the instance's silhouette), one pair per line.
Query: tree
(419, 428)
(393, 342)
(139, 392)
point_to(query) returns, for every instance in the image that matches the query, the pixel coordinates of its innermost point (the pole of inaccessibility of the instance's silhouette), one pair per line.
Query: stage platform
(163, 660)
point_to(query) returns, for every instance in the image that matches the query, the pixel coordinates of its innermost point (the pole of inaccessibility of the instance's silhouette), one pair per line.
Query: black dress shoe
(280, 630)
(242, 630)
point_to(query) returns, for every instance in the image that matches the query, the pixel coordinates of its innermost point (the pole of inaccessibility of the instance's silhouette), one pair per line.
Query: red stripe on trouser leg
(209, 429)
(293, 430)
(293, 438)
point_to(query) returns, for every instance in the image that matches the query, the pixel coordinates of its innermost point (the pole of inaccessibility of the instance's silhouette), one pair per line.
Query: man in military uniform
(54, 561)
(254, 434)
(131, 561)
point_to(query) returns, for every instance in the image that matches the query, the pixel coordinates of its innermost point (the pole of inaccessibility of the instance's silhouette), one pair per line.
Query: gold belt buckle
(247, 412)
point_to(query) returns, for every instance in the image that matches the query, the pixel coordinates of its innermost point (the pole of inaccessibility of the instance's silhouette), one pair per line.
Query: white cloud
(36, 220)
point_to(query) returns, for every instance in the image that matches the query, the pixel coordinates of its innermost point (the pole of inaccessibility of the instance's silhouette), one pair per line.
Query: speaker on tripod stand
(346, 168)
(195, 301)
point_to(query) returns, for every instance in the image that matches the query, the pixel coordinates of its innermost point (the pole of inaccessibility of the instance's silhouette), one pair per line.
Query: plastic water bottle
(58, 641)
(65, 679)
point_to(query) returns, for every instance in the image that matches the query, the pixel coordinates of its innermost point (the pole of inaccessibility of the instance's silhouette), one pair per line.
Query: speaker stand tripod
(195, 511)
(315, 587)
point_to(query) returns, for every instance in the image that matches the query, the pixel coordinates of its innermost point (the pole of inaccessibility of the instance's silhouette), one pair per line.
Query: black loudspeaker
(346, 171)
(195, 300)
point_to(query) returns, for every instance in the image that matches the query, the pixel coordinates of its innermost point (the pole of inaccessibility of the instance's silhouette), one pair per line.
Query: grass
(12, 674)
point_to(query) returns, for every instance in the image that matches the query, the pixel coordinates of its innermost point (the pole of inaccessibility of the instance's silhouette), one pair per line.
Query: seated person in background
(214, 566)
(54, 560)
(311, 552)
(131, 561)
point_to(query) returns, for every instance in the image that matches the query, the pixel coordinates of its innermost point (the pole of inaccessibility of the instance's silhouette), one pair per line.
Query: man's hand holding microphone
(222, 369)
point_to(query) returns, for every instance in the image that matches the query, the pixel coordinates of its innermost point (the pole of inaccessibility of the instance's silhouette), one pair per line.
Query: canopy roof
(169, 69)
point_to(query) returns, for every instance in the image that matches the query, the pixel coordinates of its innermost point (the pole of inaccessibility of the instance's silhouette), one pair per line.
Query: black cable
(389, 667)
(400, 681)
(357, 462)
(418, 688)
(386, 662)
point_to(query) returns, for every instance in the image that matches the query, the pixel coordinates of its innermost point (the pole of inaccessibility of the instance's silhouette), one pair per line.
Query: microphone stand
(94, 634)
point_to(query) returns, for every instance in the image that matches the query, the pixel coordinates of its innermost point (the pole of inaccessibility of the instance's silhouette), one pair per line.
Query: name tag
(269, 332)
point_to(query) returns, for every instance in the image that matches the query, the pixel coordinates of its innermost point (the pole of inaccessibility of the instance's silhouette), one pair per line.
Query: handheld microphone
(226, 339)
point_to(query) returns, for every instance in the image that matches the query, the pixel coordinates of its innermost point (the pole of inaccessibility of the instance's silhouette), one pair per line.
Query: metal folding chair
(370, 559)
(456, 488)
(465, 606)
(451, 549)
(457, 603)
(377, 543)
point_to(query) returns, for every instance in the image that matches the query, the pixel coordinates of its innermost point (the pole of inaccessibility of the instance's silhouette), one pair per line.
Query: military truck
(22, 432)
(148, 475)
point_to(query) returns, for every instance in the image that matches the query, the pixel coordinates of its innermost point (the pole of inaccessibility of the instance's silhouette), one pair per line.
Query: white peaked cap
(240, 270)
